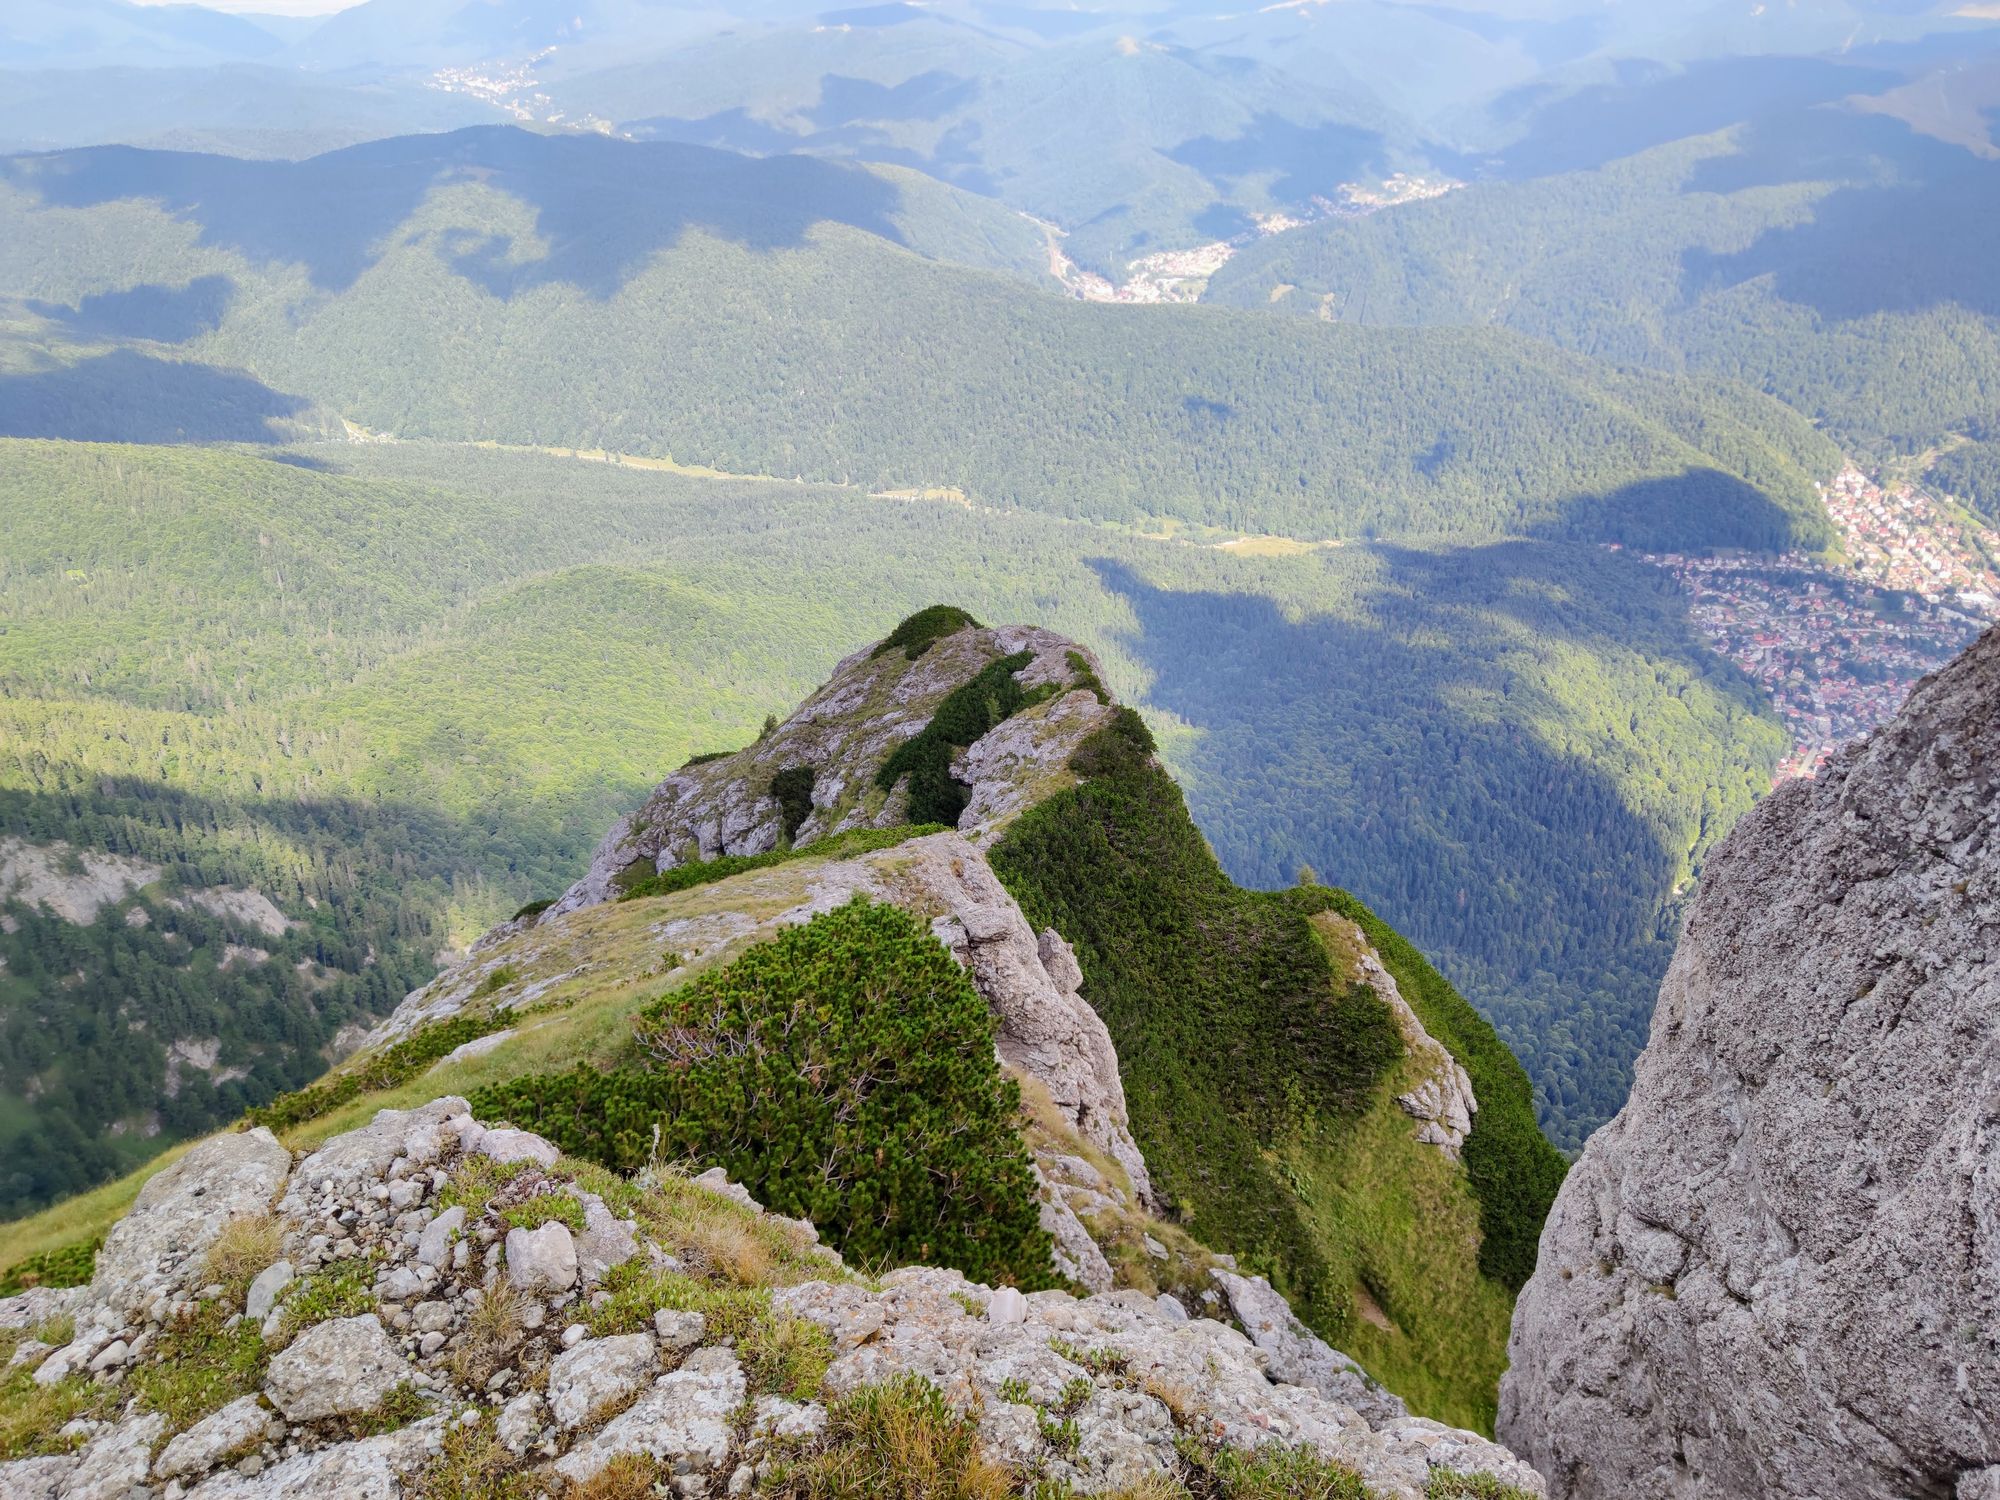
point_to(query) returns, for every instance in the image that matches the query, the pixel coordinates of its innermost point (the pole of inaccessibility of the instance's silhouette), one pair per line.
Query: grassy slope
(1262, 1082)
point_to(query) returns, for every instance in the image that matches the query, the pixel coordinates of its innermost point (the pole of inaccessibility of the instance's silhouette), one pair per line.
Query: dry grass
(492, 1332)
(630, 1476)
(726, 1249)
(722, 1241)
(242, 1250)
(897, 1441)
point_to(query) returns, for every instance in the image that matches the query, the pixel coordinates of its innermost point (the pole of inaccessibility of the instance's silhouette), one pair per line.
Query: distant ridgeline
(1830, 257)
(825, 332)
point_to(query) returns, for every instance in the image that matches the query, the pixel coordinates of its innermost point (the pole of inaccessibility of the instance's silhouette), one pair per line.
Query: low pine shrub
(1221, 1001)
(966, 713)
(66, 1265)
(920, 631)
(793, 787)
(843, 1072)
(386, 1069)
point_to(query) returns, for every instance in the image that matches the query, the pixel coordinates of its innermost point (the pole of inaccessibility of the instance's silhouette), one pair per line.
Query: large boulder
(162, 1244)
(340, 1368)
(1777, 1272)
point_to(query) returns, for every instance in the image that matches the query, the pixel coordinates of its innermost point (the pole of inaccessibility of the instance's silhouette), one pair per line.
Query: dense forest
(1971, 471)
(1833, 258)
(768, 281)
(401, 690)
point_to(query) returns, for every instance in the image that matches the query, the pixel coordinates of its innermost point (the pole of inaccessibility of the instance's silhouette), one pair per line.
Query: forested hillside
(770, 285)
(1832, 258)
(400, 691)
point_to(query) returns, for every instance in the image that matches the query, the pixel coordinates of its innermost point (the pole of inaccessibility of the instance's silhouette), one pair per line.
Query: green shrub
(966, 713)
(1266, 1474)
(1447, 1485)
(793, 787)
(201, 1363)
(704, 871)
(705, 758)
(345, 1289)
(66, 1265)
(1222, 1002)
(386, 1069)
(533, 909)
(1086, 678)
(544, 1208)
(843, 1072)
(921, 630)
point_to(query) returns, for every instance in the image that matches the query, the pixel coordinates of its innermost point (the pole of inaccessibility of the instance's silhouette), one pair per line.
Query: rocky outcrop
(437, 1343)
(843, 734)
(1032, 981)
(1777, 1272)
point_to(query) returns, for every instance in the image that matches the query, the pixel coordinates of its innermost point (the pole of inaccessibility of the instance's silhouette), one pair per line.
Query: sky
(268, 7)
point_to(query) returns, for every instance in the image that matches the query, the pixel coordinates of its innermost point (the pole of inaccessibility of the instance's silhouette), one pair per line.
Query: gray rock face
(372, 1469)
(238, 1425)
(542, 1260)
(336, 1369)
(1297, 1355)
(684, 1421)
(163, 1242)
(598, 1374)
(845, 732)
(1217, 1380)
(1777, 1272)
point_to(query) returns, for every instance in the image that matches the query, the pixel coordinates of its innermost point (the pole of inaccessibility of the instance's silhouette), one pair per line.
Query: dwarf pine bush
(844, 1072)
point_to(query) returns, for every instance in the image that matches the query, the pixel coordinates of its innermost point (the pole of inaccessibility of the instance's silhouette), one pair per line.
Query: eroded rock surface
(361, 1217)
(1777, 1271)
(843, 734)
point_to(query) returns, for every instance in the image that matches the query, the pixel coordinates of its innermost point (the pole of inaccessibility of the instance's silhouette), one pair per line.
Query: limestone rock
(917, 1325)
(684, 1421)
(371, 1469)
(1299, 1356)
(336, 1369)
(517, 1145)
(162, 1244)
(115, 1462)
(437, 1237)
(542, 1260)
(844, 732)
(598, 1374)
(36, 1478)
(242, 1422)
(353, 1164)
(1777, 1271)
(263, 1293)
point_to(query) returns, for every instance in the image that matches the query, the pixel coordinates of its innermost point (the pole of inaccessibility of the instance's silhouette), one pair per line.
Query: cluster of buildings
(1903, 537)
(1836, 655)
(1182, 275)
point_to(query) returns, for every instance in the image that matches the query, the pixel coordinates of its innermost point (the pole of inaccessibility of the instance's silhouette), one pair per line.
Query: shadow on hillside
(162, 314)
(128, 397)
(1648, 105)
(603, 207)
(1447, 789)
(1697, 510)
(1307, 159)
(849, 121)
(1915, 228)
